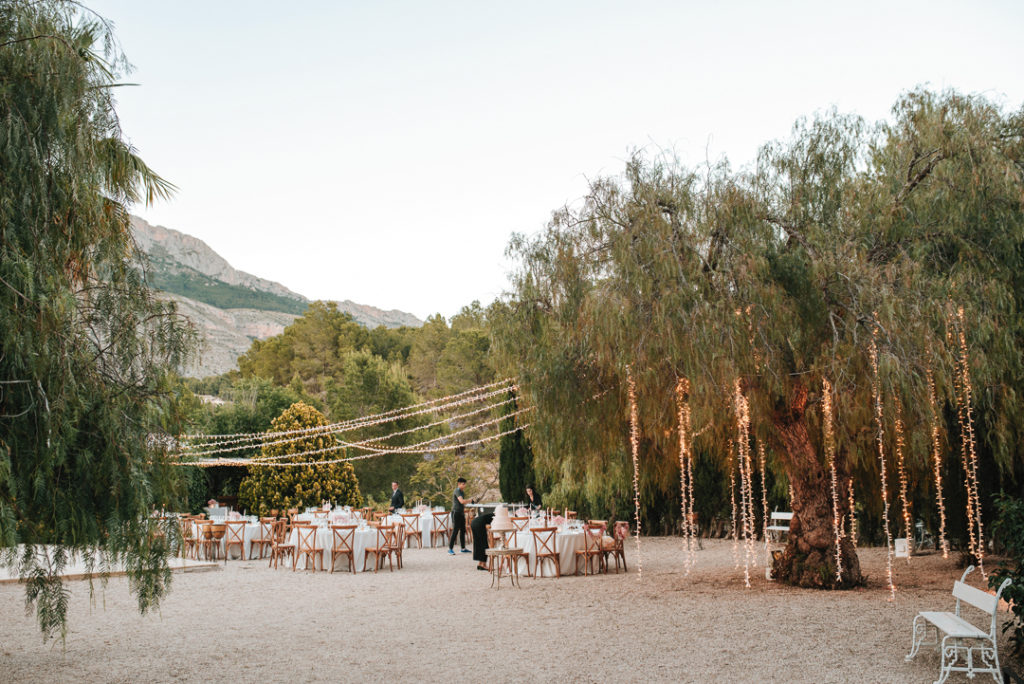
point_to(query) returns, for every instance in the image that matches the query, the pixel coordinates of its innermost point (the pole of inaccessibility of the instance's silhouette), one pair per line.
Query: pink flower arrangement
(212, 503)
(521, 512)
(558, 521)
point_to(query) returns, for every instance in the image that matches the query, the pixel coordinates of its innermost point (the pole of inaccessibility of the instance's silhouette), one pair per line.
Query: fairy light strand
(969, 450)
(634, 440)
(685, 470)
(937, 460)
(830, 457)
(763, 464)
(880, 440)
(742, 411)
(853, 516)
(403, 412)
(901, 472)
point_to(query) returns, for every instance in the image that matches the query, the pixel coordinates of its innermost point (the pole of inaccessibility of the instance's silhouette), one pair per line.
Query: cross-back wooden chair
(212, 534)
(521, 523)
(593, 549)
(364, 513)
(343, 544)
(234, 536)
(570, 515)
(469, 515)
(412, 528)
(616, 546)
(266, 538)
(189, 541)
(305, 546)
(280, 546)
(442, 527)
(545, 541)
(380, 517)
(382, 549)
(398, 543)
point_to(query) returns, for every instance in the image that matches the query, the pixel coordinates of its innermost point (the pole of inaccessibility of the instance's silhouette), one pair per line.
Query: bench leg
(917, 637)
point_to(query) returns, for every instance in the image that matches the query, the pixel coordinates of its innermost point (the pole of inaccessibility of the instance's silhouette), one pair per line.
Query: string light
(853, 517)
(742, 411)
(634, 440)
(902, 473)
(732, 500)
(880, 435)
(258, 439)
(685, 470)
(763, 463)
(968, 449)
(244, 462)
(830, 457)
(936, 461)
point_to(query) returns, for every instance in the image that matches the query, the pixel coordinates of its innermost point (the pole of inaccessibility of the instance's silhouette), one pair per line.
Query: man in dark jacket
(397, 498)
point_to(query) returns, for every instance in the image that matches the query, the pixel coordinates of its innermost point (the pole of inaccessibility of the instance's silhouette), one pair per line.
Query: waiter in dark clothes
(459, 502)
(397, 498)
(533, 501)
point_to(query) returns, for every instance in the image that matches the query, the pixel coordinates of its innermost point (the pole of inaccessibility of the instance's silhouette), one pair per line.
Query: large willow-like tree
(85, 349)
(779, 277)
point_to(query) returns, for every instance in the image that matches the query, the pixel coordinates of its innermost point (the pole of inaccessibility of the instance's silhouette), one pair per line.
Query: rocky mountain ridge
(230, 308)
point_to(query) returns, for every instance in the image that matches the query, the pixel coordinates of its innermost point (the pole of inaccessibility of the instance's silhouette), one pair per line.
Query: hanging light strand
(742, 459)
(634, 441)
(853, 516)
(830, 457)
(969, 450)
(901, 472)
(937, 460)
(763, 464)
(685, 471)
(880, 440)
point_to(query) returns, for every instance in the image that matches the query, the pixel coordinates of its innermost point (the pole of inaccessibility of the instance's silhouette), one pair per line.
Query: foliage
(268, 487)
(515, 472)
(368, 385)
(777, 276)
(1009, 528)
(86, 351)
(203, 288)
(436, 475)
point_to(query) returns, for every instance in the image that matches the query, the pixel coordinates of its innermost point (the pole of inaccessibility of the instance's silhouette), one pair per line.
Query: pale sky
(384, 152)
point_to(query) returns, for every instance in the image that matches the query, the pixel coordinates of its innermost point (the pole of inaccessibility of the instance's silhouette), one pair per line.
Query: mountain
(231, 308)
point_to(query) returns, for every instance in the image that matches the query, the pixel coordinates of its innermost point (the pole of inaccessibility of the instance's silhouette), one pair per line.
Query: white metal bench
(779, 524)
(963, 641)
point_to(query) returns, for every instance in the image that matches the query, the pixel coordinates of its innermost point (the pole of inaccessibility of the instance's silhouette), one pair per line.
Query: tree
(85, 349)
(772, 281)
(282, 487)
(515, 470)
(368, 385)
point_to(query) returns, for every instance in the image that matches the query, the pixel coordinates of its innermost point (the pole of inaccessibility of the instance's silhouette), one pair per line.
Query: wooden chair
(364, 513)
(382, 549)
(189, 541)
(593, 549)
(521, 523)
(412, 528)
(442, 528)
(343, 544)
(306, 546)
(469, 515)
(380, 517)
(212, 534)
(235, 537)
(398, 544)
(266, 539)
(280, 545)
(570, 515)
(545, 541)
(617, 545)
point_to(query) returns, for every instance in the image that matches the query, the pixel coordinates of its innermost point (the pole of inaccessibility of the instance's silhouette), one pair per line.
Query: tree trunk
(809, 559)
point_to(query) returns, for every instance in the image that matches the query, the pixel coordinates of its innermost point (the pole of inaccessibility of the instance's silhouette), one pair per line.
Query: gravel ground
(438, 620)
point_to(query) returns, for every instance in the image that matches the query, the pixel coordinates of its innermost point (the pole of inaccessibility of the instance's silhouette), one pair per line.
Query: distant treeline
(220, 294)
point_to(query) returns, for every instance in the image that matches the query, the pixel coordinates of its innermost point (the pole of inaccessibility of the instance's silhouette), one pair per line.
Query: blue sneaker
(450, 552)
(466, 551)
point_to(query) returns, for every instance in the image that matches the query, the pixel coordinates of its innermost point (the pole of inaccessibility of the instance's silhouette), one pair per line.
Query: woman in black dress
(479, 527)
(533, 499)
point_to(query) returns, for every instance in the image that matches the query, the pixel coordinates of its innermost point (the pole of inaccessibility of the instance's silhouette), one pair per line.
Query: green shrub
(1009, 528)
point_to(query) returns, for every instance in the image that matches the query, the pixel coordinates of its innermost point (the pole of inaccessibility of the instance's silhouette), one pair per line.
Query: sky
(385, 152)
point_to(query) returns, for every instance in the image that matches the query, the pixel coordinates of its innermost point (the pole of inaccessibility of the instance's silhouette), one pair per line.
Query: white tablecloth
(566, 543)
(364, 537)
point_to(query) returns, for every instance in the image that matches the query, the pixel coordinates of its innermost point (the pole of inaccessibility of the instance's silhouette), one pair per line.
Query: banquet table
(568, 541)
(426, 526)
(364, 537)
(252, 531)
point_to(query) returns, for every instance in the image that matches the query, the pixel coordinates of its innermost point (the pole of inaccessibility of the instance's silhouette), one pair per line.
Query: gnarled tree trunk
(809, 559)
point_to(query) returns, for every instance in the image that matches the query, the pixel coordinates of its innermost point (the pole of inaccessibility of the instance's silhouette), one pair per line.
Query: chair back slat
(521, 523)
(982, 600)
(306, 540)
(544, 539)
(343, 537)
(442, 522)
(236, 531)
(592, 536)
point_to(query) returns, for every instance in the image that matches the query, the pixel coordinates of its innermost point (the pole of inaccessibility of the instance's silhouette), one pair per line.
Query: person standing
(480, 541)
(397, 498)
(459, 516)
